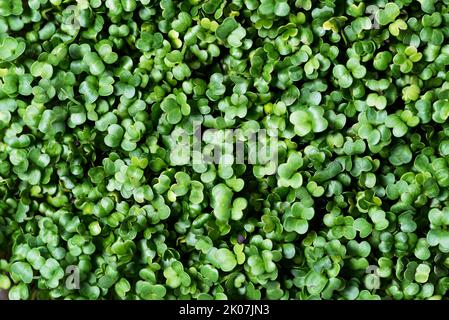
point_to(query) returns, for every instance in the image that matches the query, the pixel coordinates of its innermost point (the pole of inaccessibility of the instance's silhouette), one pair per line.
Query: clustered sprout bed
(356, 207)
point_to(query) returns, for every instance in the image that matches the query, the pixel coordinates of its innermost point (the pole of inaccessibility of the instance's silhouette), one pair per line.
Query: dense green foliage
(92, 93)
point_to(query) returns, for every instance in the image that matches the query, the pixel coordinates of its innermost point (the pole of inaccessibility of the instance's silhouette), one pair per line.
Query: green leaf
(224, 259)
(388, 14)
(22, 271)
